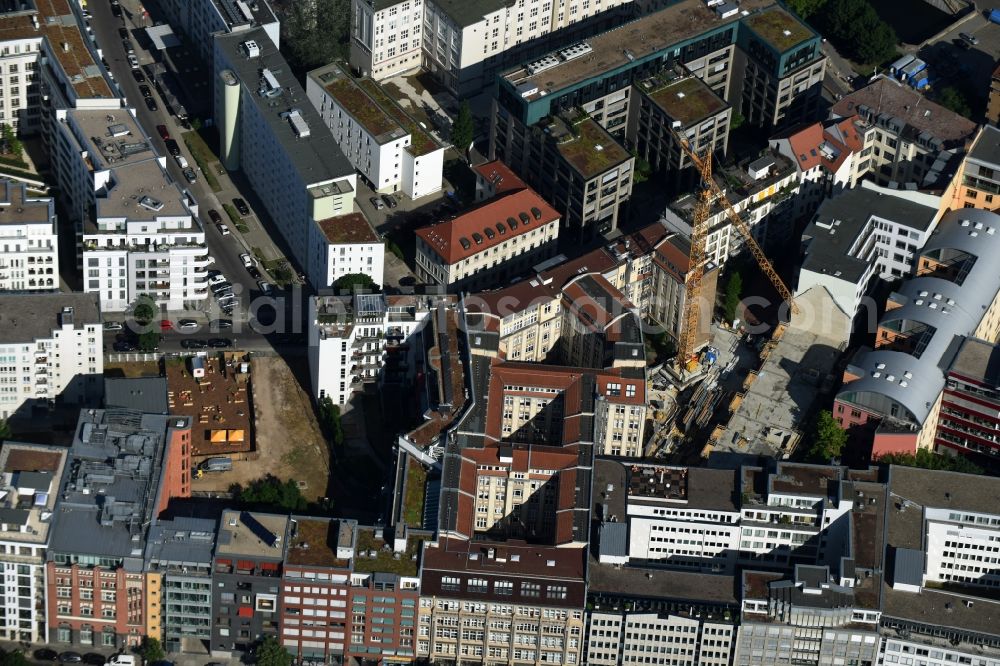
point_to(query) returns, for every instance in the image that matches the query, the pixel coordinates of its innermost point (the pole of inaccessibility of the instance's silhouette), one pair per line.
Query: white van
(122, 660)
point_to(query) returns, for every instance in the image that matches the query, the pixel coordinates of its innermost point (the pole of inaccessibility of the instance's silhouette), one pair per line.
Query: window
(450, 583)
(530, 589)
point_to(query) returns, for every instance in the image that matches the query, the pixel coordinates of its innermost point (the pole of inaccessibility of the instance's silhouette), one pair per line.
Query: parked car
(45, 655)
(146, 92)
(214, 272)
(189, 343)
(181, 161)
(265, 287)
(123, 33)
(220, 324)
(113, 326)
(389, 201)
(220, 286)
(216, 279)
(241, 206)
(127, 45)
(70, 657)
(122, 346)
(254, 273)
(173, 148)
(377, 203)
(133, 62)
(116, 10)
(214, 215)
(190, 175)
(188, 325)
(971, 39)
(94, 659)
(165, 325)
(223, 229)
(246, 259)
(138, 76)
(164, 134)
(122, 660)
(220, 343)
(151, 104)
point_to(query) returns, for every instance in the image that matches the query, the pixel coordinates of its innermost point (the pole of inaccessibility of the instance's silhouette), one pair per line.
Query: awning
(269, 566)
(244, 564)
(245, 611)
(236, 435)
(218, 436)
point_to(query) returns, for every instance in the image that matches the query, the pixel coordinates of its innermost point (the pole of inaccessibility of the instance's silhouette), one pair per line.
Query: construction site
(214, 390)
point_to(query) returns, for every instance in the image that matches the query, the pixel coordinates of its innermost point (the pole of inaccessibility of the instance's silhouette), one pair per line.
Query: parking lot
(954, 62)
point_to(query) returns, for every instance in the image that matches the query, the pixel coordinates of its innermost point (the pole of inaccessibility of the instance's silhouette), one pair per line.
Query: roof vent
(550, 563)
(298, 123)
(252, 49)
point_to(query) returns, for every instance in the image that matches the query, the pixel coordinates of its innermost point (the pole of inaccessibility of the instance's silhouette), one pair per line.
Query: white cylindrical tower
(229, 137)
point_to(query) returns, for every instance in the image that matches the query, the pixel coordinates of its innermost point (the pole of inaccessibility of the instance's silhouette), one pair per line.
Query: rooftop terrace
(687, 100)
(351, 228)
(315, 542)
(251, 534)
(778, 28)
(587, 146)
(29, 475)
(374, 555)
(17, 207)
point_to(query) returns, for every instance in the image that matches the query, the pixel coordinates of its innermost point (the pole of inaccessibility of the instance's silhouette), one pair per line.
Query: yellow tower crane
(709, 192)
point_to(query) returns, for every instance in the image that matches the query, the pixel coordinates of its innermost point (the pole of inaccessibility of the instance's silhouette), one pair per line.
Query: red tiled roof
(499, 175)
(445, 238)
(842, 135)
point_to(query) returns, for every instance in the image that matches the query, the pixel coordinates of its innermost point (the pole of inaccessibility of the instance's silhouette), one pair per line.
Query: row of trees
(853, 26)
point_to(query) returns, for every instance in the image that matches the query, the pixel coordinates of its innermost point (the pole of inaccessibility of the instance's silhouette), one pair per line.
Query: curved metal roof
(953, 311)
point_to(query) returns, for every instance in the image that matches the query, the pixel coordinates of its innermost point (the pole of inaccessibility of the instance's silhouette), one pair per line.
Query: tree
(13, 658)
(329, 420)
(642, 170)
(927, 459)
(151, 650)
(144, 309)
(858, 31)
(731, 300)
(828, 438)
(271, 493)
(806, 8)
(462, 130)
(736, 121)
(270, 653)
(149, 341)
(952, 98)
(316, 32)
(355, 282)
(5, 432)
(11, 144)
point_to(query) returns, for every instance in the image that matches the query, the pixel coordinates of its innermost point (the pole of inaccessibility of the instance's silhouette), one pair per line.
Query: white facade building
(386, 37)
(866, 231)
(50, 349)
(387, 146)
(362, 339)
(636, 639)
(29, 260)
(19, 95)
(352, 246)
(29, 476)
(198, 20)
(140, 232)
(270, 131)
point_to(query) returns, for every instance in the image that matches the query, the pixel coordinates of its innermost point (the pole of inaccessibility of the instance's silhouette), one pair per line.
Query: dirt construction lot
(289, 441)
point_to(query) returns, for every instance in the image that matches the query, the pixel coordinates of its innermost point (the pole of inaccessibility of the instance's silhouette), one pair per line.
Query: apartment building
(28, 235)
(574, 164)
(384, 143)
(22, 45)
(600, 327)
(763, 190)
(650, 615)
(863, 233)
(784, 69)
(912, 139)
(970, 403)
(828, 157)
(489, 244)
(313, 617)
(648, 268)
(993, 101)
(676, 104)
(138, 230)
(50, 345)
(30, 481)
(892, 394)
(178, 571)
(246, 578)
(365, 338)
(977, 181)
(351, 246)
(123, 468)
(270, 131)
(386, 37)
(198, 20)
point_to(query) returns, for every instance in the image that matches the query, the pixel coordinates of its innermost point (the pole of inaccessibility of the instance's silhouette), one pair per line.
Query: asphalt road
(224, 249)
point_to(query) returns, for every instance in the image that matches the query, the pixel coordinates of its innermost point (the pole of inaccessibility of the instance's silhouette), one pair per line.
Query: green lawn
(413, 501)
(234, 217)
(206, 160)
